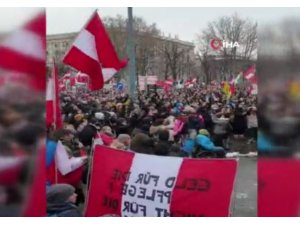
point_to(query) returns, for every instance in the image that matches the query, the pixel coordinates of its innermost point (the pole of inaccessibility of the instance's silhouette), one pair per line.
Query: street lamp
(131, 54)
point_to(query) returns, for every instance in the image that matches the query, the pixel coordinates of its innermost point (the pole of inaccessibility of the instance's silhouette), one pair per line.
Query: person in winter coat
(107, 135)
(188, 145)
(206, 114)
(239, 123)
(195, 122)
(221, 129)
(252, 125)
(87, 134)
(204, 142)
(156, 127)
(142, 143)
(61, 200)
(164, 147)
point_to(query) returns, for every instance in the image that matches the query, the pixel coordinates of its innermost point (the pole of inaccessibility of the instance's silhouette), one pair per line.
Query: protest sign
(131, 184)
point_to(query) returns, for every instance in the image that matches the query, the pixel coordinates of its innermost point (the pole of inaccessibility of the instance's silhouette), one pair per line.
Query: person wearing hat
(204, 142)
(88, 133)
(61, 200)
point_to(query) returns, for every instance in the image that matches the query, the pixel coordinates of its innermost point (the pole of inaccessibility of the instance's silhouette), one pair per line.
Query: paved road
(245, 193)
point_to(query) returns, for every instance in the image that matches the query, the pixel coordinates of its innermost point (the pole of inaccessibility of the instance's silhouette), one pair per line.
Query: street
(244, 201)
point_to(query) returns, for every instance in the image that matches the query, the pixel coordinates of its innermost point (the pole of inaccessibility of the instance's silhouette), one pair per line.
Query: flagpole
(131, 54)
(54, 90)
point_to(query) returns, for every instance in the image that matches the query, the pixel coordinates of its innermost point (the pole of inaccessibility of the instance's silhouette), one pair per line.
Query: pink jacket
(178, 126)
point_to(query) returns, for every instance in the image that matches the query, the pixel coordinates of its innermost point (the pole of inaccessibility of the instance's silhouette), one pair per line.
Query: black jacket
(87, 134)
(63, 210)
(165, 148)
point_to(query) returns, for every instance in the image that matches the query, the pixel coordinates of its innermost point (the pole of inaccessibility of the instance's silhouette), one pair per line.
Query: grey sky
(184, 22)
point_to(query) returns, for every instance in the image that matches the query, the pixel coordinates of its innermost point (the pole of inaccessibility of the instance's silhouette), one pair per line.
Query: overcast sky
(184, 22)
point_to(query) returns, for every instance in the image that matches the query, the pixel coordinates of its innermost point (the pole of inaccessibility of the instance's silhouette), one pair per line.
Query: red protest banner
(278, 187)
(131, 184)
(204, 187)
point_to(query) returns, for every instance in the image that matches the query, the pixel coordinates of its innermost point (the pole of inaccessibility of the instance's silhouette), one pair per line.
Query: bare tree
(145, 40)
(173, 58)
(203, 58)
(116, 27)
(227, 61)
(152, 49)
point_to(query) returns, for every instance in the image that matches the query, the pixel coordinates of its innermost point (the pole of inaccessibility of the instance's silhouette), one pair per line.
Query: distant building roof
(61, 36)
(51, 37)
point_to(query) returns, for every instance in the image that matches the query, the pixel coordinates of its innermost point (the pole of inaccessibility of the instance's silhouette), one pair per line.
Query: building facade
(160, 56)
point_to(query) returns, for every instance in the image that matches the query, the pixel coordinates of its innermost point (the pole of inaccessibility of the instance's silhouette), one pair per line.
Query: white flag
(66, 164)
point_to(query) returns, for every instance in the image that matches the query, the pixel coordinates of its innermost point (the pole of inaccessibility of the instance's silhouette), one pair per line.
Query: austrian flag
(93, 53)
(24, 52)
(132, 184)
(53, 112)
(249, 74)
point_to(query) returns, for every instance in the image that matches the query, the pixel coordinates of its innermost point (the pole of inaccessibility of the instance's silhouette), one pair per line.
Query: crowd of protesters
(22, 133)
(158, 118)
(196, 122)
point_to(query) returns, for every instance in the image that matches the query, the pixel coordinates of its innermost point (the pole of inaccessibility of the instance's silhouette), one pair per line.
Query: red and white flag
(253, 89)
(66, 77)
(131, 184)
(97, 140)
(166, 84)
(24, 51)
(93, 53)
(82, 78)
(64, 163)
(72, 81)
(61, 85)
(250, 74)
(190, 83)
(65, 169)
(53, 113)
(169, 82)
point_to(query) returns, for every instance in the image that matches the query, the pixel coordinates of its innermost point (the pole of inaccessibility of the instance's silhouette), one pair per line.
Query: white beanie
(99, 116)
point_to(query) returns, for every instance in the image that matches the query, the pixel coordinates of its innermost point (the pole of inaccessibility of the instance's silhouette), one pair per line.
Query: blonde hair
(204, 132)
